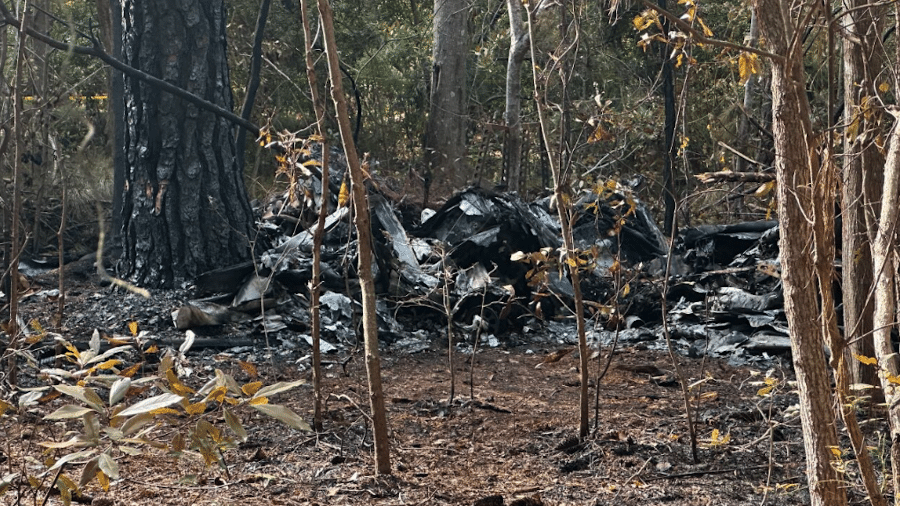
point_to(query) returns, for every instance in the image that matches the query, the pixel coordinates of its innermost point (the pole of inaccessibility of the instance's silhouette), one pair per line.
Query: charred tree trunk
(253, 83)
(670, 151)
(186, 209)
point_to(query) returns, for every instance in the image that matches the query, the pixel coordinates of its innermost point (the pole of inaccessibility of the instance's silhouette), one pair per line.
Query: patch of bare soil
(508, 437)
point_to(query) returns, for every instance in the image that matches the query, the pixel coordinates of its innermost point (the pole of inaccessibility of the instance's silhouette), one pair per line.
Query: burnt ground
(511, 442)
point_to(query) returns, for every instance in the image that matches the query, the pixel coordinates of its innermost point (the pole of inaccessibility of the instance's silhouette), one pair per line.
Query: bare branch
(97, 52)
(699, 37)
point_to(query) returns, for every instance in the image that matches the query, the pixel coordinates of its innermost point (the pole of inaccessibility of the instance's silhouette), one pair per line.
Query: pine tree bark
(795, 163)
(186, 209)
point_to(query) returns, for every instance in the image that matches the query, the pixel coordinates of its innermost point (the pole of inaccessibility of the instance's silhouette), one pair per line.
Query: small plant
(118, 424)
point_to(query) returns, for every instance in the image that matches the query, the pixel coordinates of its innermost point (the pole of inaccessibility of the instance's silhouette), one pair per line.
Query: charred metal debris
(490, 268)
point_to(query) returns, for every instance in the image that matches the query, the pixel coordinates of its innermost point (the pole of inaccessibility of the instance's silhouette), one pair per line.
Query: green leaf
(283, 415)
(227, 381)
(89, 472)
(148, 405)
(277, 388)
(84, 394)
(68, 411)
(235, 425)
(6, 481)
(91, 427)
(109, 466)
(113, 433)
(118, 389)
(130, 450)
(72, 457)
(133, 424)
(53, 445)
(110, 352)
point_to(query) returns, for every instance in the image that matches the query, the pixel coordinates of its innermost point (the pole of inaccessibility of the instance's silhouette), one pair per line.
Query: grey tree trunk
(445, 136)
(518, 47)
(884, 311)
(861, 175)
(186, 209)
(742, 140)
(795, 162)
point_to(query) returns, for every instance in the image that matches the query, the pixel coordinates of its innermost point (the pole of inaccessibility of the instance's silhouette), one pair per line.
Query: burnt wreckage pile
(491, 263)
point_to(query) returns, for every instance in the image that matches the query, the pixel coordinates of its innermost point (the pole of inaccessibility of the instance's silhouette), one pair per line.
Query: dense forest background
(615, 101)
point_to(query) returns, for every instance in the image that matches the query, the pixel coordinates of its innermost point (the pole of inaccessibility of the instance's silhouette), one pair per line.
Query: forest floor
(508, 437)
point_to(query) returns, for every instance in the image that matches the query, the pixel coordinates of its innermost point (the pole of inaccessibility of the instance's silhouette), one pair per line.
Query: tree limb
(703, 39)
(97, 52)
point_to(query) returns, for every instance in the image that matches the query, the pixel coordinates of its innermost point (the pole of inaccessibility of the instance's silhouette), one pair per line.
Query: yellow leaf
(109, 364)
(835, 451)
(248, 368)
(152, 349)
(133, 328)
(217, 394)
(36, 326)
(644, 20)
(196, 408)
(104, 480)
(717, 439)
(599, 134)
(251, 388)
(884, 87)
(178, 444)
(259, 400)
(344, 194)
(131, 371)
(864, 359)
(764, 189)
(748, 64)
(214, 433)
(164, 411)
(176, 385)
(706, 30)
(764, 391)
(626, 290)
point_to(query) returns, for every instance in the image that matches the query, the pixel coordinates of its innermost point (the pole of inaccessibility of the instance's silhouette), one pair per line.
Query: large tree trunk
(186, 209)
(795, 162)
(863, 164)
(445, 136)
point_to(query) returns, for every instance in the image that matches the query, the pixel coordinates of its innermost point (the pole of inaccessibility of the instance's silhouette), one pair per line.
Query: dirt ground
(509, 436)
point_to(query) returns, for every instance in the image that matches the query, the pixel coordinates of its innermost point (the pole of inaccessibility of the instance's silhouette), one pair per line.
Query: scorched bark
(186, 207)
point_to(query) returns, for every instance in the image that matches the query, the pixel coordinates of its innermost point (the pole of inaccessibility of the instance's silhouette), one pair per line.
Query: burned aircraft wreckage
(489, 263)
